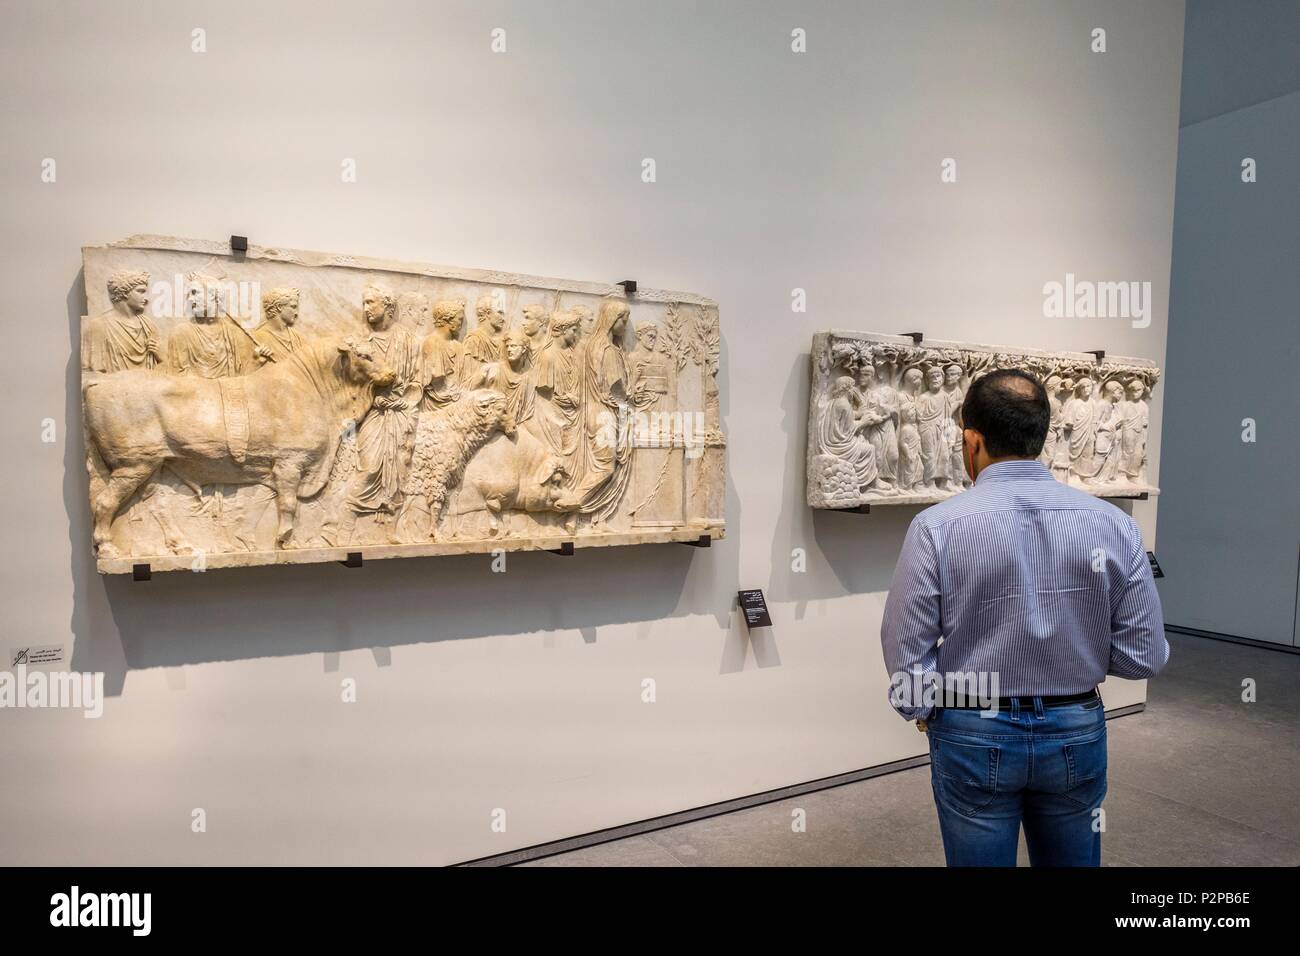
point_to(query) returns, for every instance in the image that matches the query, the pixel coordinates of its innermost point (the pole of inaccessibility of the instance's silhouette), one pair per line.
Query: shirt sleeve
(912, 625)
(1138, 647)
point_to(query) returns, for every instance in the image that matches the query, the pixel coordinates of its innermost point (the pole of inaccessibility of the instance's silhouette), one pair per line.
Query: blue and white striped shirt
(1024, 576)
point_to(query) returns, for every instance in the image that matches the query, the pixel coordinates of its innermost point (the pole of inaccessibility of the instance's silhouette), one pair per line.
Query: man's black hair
(1010, 409)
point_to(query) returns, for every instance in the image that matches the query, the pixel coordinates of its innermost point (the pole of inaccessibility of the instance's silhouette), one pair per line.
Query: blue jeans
(1043, 767)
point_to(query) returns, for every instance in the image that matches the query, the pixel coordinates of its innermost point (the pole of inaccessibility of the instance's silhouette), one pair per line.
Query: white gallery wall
(481, 691)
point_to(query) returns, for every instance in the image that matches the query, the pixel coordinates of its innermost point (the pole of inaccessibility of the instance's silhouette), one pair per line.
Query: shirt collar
(1030, 469)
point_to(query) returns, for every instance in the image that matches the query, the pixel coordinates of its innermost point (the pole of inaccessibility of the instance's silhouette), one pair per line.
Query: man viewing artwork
(1032, 592)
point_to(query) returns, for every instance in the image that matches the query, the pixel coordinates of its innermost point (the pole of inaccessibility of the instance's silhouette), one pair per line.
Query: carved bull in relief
(279, 426)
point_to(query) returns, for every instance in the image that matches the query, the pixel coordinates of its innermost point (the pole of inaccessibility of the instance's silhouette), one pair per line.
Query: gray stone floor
(1198, 779)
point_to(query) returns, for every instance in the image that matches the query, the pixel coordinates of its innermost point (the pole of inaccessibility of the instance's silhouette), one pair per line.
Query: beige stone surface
(884, 428)
(281, 406)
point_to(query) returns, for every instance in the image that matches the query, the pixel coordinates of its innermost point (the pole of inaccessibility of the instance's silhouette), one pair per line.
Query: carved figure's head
(281, 304)
(413, 308)
(564, 328)
(534, 319)
(613, 318)
(449, 314)
(378, 306)
(586, 320)
(647, 335)
(131, 287)
(205, 297)
(516, 347)
(842, 386)
(487, 313)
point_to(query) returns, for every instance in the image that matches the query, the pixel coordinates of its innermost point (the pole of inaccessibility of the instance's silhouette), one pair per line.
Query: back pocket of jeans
(1085, 760)
(968, 773)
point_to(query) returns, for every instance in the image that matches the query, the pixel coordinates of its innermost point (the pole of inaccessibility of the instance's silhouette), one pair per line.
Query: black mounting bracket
(704, 541)
(353, 560)
(565, 550)
(855, 510)
(239, 243)
(1140, 496)
(916, 337)
(629, 286)
(1099, 353)
(141, 572)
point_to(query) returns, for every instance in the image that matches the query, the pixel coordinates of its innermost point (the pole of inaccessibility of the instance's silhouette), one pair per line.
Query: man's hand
(263, 354)
(922, 726)
(153, 347)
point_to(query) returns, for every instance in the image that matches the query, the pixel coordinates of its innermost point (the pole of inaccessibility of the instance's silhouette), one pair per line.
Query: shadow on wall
(232, 614)
(858, 550)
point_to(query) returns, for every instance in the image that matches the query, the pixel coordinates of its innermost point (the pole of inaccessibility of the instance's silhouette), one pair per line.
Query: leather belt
(1027, 703)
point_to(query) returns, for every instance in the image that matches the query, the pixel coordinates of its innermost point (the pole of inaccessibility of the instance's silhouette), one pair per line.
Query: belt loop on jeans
(1038, 709)
(1015, 708)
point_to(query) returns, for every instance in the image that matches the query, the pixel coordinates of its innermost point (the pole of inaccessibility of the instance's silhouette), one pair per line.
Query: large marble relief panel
(280, 406)
(884, 422)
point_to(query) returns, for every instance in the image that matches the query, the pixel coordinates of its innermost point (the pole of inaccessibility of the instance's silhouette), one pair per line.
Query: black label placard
(753, 604)
(1155, 565)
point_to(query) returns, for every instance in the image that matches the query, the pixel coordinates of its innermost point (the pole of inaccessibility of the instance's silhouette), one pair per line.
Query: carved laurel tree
(292, 407)
(884, 422)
